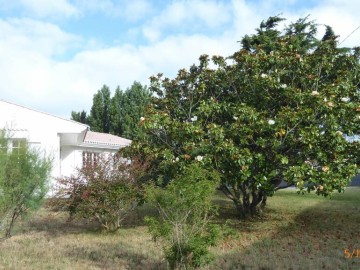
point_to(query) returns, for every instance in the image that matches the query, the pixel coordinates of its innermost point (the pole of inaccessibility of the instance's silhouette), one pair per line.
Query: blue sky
(57, 53)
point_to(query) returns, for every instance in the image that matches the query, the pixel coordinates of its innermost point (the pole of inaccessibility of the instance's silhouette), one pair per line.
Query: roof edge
(38, 111)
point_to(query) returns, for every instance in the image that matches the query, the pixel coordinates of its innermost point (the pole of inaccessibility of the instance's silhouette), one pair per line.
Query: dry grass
(295, 232)
(49, 242)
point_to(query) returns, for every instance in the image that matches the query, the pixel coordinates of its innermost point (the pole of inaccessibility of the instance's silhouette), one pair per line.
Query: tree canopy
(280, 108)
(126, 109)
(81, 117)
(100, 111)
(118, 115)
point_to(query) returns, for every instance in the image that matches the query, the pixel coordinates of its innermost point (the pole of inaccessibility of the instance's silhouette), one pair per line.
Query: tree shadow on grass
(227, 212)
(84, 244)
(115, 256)
(314, 238)
(56, 223)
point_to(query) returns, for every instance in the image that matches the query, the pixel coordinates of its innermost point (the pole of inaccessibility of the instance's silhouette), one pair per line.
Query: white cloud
(246, 18)
(37, 80)
(32, 74)
(138, 9)
(50, 8)
(342, 16)
(107, 7)
(45, 38)
(95, 5)
(130, 10)
(187, 15)
(176, 52)
(27, 50)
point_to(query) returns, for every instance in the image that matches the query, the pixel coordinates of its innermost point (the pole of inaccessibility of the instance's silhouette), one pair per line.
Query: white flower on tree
(314, 93)
(199, 158)
(339, 133)
(271, 122)
(194, 118)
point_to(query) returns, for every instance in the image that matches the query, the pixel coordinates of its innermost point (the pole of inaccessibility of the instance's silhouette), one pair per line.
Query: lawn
(294, 232)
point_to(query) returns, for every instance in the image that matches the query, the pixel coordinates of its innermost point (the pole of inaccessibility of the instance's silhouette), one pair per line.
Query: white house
(67, 142)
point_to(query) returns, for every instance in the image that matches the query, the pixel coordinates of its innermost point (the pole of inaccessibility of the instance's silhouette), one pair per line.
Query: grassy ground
(295, 232)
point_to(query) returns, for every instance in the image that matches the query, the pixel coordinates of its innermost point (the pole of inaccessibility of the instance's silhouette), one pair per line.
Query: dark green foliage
(301, 36)
(127, 109)
(80, 117)
(265, 36)
(100, 111)
(185, 209)
(117, 127)
(24, 176)
(119, 115)
(329, 34)
(265, 117)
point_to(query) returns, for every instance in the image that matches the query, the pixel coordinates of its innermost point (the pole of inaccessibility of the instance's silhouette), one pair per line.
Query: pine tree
(115, 112)
(119, 115)
(81, 117)
(100, 111)
(136, 98)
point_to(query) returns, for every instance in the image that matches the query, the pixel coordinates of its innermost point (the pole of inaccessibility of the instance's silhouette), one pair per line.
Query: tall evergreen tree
(119, 115)
(136, 98)
(300, 34)
(126, 110)
(100, 111)
(266, 36)
(81, 117)
(115, 112)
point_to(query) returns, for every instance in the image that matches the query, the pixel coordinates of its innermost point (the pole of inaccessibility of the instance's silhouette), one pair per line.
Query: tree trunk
(245, 203)
(251, 203)
(240, 208)
(246, 198)
(257, 196)
(263, 201)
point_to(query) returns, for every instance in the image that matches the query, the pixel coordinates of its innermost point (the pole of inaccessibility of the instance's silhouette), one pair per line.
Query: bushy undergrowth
(24, 175)
(185, 209)
(105, 191)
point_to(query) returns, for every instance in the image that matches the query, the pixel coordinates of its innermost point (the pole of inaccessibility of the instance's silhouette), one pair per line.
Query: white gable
(64, 140)
(15, 117)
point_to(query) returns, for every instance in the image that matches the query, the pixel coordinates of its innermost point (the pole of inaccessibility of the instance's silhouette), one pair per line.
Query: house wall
(72, 157)
(41, 130)
(70, 160)
(55, 137)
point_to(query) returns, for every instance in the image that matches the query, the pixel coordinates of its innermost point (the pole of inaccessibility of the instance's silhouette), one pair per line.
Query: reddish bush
(105, 191)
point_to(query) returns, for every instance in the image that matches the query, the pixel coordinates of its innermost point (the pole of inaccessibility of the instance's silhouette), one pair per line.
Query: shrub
(106, 191)
(185, 209)
(24, 178)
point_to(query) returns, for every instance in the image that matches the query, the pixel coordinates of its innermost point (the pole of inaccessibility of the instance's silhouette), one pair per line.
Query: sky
(56, 54)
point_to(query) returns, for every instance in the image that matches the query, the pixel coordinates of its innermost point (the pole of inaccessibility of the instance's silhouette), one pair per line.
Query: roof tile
(104, 138)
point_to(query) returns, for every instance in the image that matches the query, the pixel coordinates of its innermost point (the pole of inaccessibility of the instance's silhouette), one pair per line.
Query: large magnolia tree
(280, 108)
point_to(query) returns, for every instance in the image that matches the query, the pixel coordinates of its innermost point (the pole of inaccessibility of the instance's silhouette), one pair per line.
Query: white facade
(65, 141)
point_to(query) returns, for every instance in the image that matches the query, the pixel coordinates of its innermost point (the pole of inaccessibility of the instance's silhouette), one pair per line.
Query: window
(90, 158)
(13, 145)
(17, 145)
